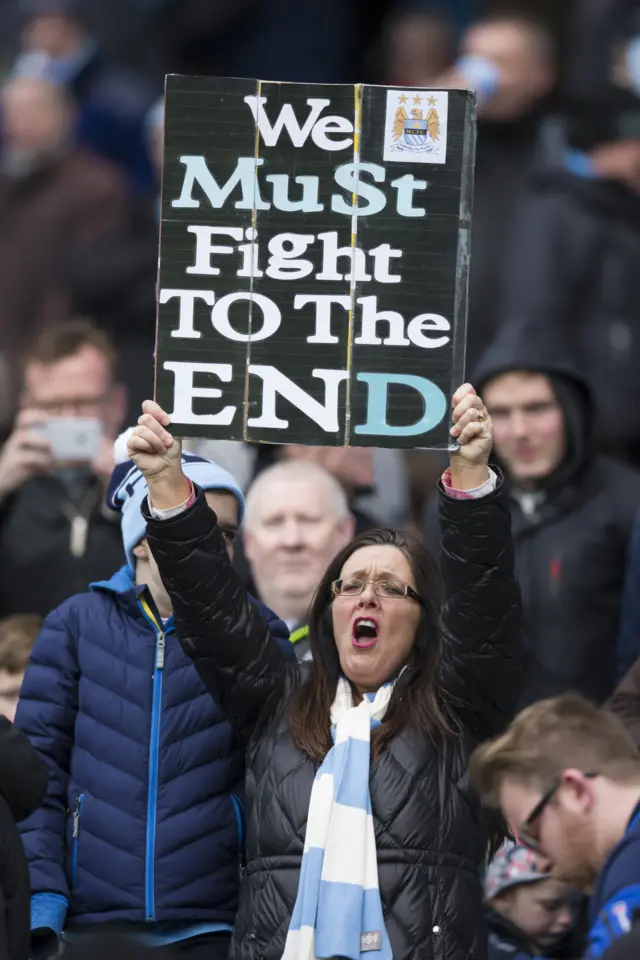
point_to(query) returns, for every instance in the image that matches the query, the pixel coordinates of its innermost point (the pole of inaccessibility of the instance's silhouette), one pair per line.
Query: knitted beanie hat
(128, 488)
(511, 866)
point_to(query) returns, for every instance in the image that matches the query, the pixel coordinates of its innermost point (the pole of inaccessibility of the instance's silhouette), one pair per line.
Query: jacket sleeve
(279, 631)
(218, 624)
(46, 713)
(23, 775)
(481, 620)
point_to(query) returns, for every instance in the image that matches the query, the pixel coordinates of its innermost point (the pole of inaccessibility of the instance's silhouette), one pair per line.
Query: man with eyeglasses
(566, 777)
(56, 534)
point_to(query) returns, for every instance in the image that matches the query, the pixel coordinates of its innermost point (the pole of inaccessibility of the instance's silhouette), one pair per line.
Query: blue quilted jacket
(143, 818)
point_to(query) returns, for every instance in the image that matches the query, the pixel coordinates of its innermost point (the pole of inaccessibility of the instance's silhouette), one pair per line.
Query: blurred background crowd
(554, 315)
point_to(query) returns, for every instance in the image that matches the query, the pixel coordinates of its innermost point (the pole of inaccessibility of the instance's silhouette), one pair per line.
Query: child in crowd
(17, 636)
(528, 912)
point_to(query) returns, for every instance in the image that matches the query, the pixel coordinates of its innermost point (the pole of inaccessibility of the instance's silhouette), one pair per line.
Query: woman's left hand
(473, 430)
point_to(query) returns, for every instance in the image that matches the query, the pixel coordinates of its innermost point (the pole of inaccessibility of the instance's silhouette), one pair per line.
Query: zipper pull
(160, 652)
(76, 819)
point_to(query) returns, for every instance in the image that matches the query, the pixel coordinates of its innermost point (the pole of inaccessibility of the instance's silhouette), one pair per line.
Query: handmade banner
(314, 252)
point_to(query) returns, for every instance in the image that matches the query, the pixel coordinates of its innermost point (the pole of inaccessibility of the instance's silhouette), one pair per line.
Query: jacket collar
(122, 587)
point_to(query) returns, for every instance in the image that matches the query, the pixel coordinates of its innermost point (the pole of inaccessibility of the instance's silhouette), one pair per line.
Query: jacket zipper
(154, 750)
(238, 809)
(75, 836)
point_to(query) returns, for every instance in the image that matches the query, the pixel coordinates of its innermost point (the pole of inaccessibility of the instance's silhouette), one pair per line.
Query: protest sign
(314, 252)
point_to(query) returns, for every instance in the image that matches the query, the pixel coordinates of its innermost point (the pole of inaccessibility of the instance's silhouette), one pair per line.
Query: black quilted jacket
(429, 833)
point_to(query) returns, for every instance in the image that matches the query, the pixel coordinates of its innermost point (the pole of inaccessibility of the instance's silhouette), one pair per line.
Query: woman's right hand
(158, 456)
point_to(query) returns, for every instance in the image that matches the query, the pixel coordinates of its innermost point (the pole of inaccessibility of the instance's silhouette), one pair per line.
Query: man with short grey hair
(297, 519)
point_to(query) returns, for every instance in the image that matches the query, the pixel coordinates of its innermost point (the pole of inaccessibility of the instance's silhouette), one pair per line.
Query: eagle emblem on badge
(415, 126)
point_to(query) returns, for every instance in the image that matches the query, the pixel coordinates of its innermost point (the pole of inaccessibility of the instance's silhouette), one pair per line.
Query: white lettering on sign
(351, 177)
(244, 176)
(286, 250)
(187, 298)
(185, 392)
(417, 329)
(313, 126)
(274, 384)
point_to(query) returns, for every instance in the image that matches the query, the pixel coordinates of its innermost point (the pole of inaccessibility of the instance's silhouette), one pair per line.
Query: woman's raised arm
(219, 626)
(481, 620)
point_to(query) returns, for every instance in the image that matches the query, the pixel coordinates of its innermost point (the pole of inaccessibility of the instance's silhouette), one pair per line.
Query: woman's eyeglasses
(388, 589)
(527, 829)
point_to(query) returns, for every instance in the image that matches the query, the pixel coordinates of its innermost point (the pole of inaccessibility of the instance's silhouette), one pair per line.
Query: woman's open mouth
(365, 633)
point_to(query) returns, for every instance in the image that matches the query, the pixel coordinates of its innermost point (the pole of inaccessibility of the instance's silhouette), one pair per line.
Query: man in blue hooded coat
(142, 825)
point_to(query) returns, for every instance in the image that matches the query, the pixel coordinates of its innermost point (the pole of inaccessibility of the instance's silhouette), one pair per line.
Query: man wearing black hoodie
(572, 513)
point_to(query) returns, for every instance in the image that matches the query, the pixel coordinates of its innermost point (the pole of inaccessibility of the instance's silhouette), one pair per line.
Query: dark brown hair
(550, 737)
(66, 339)
(418, 698)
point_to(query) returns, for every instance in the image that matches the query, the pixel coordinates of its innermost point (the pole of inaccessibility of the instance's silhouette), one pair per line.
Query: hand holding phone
(72, 439)
(26, 453)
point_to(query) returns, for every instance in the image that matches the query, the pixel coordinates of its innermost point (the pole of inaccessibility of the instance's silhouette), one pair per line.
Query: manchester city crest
(416, 126)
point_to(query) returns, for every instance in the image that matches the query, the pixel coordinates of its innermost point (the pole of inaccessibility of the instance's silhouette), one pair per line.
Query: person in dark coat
(54, 202)
(510, 61)
(112, 101)
(571, 510)
(574, 261)
(384, 817)
(56, 533)
(23, 782)
(143, 823)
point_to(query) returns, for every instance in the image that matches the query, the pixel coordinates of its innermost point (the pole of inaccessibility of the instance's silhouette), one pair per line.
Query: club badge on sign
(416, 126)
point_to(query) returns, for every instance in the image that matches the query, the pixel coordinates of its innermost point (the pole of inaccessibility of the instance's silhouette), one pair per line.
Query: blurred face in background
(80, 385)
(523, 60)
(529, 435)
(36, 123)
(419, 48)
(54, 34)
(293, 529)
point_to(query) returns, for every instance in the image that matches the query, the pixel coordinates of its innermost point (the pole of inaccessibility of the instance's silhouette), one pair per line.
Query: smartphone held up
(71, 439)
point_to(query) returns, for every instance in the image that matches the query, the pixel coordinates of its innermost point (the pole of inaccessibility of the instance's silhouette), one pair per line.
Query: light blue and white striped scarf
(338, 912)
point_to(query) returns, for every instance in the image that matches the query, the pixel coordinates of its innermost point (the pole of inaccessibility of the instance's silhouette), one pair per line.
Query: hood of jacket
(123, 587)
(520, 348)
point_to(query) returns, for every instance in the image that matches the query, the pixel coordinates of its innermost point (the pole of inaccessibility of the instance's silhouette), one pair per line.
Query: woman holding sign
(363, 834)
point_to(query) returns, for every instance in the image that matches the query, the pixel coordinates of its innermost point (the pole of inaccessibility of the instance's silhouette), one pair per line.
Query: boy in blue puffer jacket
(142, 825)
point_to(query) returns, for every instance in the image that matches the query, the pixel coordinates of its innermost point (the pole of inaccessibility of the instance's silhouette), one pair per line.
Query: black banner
(313, 261)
